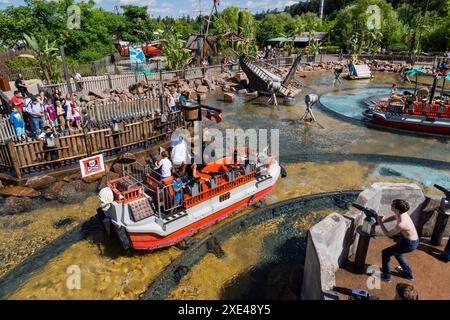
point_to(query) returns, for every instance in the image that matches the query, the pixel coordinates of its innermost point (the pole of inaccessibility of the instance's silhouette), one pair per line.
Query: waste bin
(4, 84)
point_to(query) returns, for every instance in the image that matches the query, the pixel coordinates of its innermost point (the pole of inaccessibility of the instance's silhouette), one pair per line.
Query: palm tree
(47, 56)
(174, 48)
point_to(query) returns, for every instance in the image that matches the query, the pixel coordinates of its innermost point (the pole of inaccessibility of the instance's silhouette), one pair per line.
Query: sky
(178, 8)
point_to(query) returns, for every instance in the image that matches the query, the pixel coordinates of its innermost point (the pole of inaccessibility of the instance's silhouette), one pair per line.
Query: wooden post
(14, 158)
(66, 71)
(87, 142)
(146, 133)
(110, 81)
(161, 81)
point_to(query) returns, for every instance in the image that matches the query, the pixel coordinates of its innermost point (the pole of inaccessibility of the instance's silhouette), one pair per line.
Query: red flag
(215, 115)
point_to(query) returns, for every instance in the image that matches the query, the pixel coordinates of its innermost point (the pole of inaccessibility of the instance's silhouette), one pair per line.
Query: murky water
(320, 158)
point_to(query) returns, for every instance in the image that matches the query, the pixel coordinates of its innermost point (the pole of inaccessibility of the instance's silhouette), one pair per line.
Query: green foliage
(234, 21)
(174, 48)
(20, 63)
(47, 56)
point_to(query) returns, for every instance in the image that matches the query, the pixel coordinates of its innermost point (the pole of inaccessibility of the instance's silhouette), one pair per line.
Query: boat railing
(125, 189)
(223, 188)
(166, 199)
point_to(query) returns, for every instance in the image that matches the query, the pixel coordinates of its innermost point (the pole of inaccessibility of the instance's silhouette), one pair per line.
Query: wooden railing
(31, 157)
(123, 81)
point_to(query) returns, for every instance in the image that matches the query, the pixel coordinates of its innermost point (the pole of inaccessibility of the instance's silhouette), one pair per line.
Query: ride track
(367, 123)
(12, 279)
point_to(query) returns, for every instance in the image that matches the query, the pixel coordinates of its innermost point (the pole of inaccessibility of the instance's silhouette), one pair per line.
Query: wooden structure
(119, 127)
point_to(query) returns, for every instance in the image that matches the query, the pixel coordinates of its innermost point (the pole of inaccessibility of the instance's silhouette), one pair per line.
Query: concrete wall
(334, 239)
(423, 209)
(329, 244)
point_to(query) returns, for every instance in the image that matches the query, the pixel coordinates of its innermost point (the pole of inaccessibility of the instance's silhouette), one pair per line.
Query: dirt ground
(431, 276)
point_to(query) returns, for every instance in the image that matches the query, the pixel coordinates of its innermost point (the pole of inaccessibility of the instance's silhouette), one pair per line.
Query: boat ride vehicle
(142, 208)
(422, 111)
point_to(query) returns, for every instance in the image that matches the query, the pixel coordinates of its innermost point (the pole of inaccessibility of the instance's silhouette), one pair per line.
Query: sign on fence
(92, 165)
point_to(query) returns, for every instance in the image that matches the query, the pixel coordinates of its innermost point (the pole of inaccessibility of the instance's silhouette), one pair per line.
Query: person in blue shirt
(17, 121)
(177, 186)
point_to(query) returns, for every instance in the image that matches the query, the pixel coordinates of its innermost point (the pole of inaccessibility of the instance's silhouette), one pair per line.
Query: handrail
(205, 195)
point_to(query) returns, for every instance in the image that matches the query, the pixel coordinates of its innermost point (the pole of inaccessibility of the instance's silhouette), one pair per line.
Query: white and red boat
(139, 206)
(419, 111)
(434, 118)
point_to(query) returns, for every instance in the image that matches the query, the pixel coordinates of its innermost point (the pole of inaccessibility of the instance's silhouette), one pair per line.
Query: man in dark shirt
(21, 85)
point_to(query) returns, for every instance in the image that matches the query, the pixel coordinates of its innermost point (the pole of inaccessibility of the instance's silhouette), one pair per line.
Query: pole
(321, 9)
(361, 252)
(66, 71)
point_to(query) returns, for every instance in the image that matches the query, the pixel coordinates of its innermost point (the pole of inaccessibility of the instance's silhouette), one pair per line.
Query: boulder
(93, 178)
(202, 89)
(117, 168)
(17, 191)
(71, 177)
(14, 205)
(103, 182)
(40, 182)
(75, 191)
(253, 94)
(228, 97)
(51, 193)
(98, 94)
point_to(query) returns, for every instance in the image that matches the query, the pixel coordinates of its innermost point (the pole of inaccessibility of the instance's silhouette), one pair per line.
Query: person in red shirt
(17, 100)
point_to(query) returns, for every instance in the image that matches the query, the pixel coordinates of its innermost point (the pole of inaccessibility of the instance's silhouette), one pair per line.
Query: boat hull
(150, 241)
(422, 127)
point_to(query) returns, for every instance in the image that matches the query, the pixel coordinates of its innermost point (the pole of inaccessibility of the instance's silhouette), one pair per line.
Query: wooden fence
(123, 81)
(31, 157)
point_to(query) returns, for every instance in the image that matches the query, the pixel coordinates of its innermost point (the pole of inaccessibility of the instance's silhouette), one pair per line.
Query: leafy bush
(21, 63)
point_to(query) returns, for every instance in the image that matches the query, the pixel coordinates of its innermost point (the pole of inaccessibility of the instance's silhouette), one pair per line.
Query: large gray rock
(14, 205)
(327, 248)
(76, 191)
(51, 193)
(40, 182)
(228, 97)
(380, 195)
(17, 191)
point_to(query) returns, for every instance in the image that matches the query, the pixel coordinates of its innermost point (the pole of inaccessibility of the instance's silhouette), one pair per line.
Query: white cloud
(136, 2)
(161, 8)
(267, 4)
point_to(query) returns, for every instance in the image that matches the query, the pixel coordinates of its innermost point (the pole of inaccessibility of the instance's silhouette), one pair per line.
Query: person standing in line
(21, 85)
(17, 121)
(36, 113)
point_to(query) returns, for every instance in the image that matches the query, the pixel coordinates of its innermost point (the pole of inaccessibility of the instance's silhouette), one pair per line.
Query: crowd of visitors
(32, 113)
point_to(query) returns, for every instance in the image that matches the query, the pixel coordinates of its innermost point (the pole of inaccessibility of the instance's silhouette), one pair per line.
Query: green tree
(47, 56)
(174, 48)
(352, 24)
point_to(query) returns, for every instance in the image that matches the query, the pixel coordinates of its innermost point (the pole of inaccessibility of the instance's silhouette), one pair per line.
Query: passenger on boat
(424, 105)
(351, 70)
(164, 166)
(177, 186)
(179, 154)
